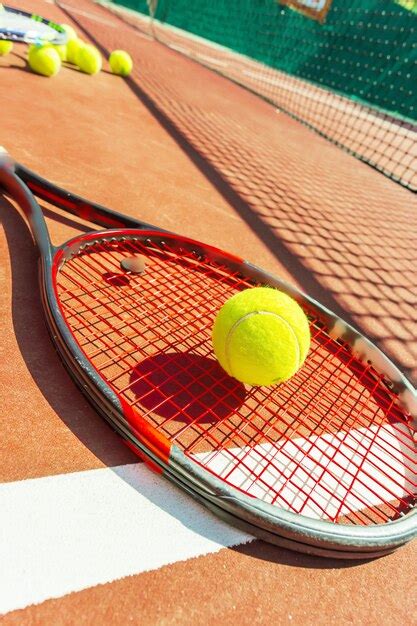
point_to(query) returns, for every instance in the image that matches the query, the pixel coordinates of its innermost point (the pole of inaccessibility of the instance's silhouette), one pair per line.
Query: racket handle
(18, 192)
(76, 205)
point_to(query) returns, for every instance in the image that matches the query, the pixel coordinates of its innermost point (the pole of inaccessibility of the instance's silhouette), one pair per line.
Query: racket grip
(20, 193)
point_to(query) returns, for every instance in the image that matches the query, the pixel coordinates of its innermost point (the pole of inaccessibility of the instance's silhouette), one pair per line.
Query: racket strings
(122, 314)
(331, 442)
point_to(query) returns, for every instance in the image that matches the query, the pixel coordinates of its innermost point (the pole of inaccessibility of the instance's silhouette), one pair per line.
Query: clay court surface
(90, 535)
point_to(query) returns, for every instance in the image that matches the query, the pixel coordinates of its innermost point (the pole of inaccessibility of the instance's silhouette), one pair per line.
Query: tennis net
(345, 68)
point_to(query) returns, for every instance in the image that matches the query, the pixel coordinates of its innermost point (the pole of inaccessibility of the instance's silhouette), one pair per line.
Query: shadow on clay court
(36, 347)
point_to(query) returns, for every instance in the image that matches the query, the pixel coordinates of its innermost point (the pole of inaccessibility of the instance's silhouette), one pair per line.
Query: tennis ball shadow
(11, 62)
(74, 68)
(185, 387)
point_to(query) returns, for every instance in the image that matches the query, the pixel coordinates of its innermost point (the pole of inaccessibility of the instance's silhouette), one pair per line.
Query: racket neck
(76, 205)
(19, 192)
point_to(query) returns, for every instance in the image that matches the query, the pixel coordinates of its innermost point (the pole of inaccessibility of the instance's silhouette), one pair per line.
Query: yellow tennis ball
(71, 34)
(60, 48)
(44, 60)
(5, 47)
(261, 336)
(73, 46)
(89, 59)
(39, 44)
(62, 51)
(120, 62)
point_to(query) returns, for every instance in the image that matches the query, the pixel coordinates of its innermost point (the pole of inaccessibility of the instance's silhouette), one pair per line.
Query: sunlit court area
(236, 185)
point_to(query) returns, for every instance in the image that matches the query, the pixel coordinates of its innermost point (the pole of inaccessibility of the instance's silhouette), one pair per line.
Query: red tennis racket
(325, 463)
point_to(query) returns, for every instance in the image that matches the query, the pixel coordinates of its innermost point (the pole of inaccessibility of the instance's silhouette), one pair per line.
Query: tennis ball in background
(73, 46)
(39, 44)
(44, 60)
(61, 48)
(120, 62)
(5, 47)
(261, 336)
(62, 51)
(89, 59)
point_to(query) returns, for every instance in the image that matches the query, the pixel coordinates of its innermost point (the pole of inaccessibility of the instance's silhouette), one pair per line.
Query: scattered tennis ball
(5, 47)
(44, 60)
(71, 34)
(61, 48)
(73, 46)
(261, 336)
(39, 44)
(120, 62)
(89, 59)
(62, 51)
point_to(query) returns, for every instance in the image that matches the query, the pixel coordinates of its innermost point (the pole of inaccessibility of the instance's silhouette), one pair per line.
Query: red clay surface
(183, 148)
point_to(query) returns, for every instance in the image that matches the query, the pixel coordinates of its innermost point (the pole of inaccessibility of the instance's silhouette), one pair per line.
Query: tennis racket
(325, 463)
(17, 25)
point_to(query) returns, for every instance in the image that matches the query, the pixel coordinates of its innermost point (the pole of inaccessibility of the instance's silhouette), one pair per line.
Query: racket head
(18, 25)
(138, 345)
(280, 461)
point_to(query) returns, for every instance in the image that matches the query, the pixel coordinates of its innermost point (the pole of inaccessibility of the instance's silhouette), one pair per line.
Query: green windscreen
(347, 68)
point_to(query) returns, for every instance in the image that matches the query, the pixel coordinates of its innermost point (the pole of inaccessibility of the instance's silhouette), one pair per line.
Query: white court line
(61, 534)
(209, 59)
(179, 48)
(327, 476)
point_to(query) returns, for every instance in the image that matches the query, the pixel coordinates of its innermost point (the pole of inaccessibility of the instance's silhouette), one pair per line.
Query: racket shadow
(41, 360)
(262, 551)
(200, 521)
(185, 388)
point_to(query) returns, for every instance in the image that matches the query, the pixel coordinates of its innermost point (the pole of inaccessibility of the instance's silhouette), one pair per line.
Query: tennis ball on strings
(73, 46)
(71, 34)
(5, 47)
(261, 336)
(44, 60)
(120, 62)
(89, 59)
